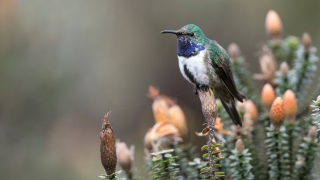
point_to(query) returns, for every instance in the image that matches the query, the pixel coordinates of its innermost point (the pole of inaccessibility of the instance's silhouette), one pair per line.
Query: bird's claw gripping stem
(201, 87)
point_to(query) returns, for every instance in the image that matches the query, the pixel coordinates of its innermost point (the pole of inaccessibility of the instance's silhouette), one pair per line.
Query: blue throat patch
(187, 48)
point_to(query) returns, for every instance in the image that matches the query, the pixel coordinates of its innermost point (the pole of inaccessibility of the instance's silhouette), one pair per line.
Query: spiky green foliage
(284, 50)
(164, 166)
(113, 176)
(213, 157)
(242, 79)
(240, 166)
(283, 83)
(301, 76)
(193, 169)
(306, 156)
(293, 132)
(278, 157)
(316, 113)
(186, 154)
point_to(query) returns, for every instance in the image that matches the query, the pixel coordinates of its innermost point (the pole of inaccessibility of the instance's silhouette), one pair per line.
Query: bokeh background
(65, 63)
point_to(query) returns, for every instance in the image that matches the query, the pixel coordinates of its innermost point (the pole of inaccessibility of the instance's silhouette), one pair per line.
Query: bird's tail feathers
(229, 105)
(242, 95)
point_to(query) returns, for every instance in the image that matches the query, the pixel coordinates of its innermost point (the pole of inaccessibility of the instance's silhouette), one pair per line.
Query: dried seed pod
(125, 156)
(107, 146)
(267, 96)
(277, 113)
(239, 146)
(234, 51)
(313, 133)
(290, 105)
(273, 24)
(284, 68)
(306, 41)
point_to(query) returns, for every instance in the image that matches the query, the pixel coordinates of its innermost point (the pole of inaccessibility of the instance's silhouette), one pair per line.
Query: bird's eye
(191, 34)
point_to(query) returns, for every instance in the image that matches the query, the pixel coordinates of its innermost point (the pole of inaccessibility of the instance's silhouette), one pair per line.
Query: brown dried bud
(290, 105)
(153, 92)
(273, 24)
(306, 41)
(313, 133)
(234, 51)
(160, 111)
(251, 110)
(318, 99)
(239, 146)
(268, 69)
(125, 156)
(178, 119)
(166, 132)
(277, 113)
(284, 68)
(107, 146)
(267, 96)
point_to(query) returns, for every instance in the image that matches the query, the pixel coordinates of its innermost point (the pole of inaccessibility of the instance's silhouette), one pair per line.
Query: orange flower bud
(306, 41)
(239, 146)
(277, 113)
(290, 105)
(251, 110)
(234, 51)
(318, 99)
(273, 24)
(267, 96)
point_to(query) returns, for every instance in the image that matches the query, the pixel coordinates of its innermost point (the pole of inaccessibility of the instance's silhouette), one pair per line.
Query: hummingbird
(206, 64)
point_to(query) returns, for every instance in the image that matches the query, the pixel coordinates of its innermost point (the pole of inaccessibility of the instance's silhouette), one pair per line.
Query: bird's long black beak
(169, 31)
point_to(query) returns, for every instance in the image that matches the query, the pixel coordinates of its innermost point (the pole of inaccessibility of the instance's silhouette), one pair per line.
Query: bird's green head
(190, 38)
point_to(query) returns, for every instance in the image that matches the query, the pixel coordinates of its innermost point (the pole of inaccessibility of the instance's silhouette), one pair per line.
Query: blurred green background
(65, 63)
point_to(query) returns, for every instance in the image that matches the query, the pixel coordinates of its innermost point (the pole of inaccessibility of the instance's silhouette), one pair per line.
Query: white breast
(197, 66)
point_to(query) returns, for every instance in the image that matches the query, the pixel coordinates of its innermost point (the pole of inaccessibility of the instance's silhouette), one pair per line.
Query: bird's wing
(220, 61)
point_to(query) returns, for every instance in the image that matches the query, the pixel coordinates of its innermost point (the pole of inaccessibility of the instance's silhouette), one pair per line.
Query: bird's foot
(201, 87)
(195, 89)
(204, 88)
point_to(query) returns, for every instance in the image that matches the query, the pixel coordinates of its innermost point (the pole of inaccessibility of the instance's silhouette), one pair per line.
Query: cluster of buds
(160, 134)
(166, 111)
(170, 124)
